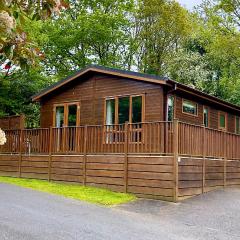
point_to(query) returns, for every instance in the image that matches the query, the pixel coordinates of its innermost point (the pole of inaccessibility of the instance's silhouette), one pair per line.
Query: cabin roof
(139, 77)
(100, 69)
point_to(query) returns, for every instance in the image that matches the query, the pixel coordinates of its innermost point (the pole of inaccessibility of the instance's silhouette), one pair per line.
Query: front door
(66, 119)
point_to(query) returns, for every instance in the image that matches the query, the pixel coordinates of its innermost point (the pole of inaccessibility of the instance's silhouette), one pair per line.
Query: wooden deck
(163, 160)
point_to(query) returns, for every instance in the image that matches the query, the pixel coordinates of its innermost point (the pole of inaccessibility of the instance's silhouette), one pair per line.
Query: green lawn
(88, 194)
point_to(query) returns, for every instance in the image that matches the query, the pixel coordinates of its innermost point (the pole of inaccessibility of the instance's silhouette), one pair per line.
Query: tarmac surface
(26, 214)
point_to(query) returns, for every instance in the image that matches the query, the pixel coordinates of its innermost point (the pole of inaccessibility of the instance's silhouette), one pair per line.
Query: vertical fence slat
(126, 143)
(50, 154)
(85, 154)
(175, 158)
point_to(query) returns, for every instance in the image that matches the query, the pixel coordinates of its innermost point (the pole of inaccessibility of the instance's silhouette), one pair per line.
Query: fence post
(175, 159)
(20, 156)
(22, 121)
(126, 141)
(50, 153)
(85, 154)
(225, 161)
(204, 159)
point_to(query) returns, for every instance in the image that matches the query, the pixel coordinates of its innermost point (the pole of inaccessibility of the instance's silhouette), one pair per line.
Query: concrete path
(30, 215)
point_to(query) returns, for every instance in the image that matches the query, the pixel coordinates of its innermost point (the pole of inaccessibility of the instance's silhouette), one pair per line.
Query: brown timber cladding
(146, 176)
(198, 119)
(92, 90)
(91, 94)
(198, 175)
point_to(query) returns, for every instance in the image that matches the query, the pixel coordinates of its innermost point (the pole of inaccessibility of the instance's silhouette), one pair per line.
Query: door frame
(65, 117)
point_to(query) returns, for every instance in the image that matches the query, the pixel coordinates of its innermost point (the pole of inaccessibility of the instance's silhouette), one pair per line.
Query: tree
(88, 32)
(16, 91)
(192, 68)
(163, 27)
(220, 35)
(14, 43)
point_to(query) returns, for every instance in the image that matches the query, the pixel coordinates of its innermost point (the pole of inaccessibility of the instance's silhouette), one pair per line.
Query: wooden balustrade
(35, 140)
(13, 142)
(200, 141)
(148, 137)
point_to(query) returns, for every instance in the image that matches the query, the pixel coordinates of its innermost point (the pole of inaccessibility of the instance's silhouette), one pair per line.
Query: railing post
(204, 158)
(175, 159)
(20, 156)
(225, 161)
(85, 154)
(126, 142)
(50, 153)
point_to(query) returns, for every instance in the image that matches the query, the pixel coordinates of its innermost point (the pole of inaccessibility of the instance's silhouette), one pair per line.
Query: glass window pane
(123, 110)
(237, 125)
(222, 121)
(110, 111)
(170, 108)
(137, 109)
(205, 117)
(189, 107)
(59, 116)
(72, 115)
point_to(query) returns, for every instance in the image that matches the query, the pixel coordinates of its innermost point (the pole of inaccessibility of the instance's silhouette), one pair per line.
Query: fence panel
(154, 137)
(200, 141)
(13, 142)
(190, 139)
(105, 139)
(35, 140)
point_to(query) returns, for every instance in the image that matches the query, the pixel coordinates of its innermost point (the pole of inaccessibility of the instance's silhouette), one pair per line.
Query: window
(206, 117)
(170, 108)
(110, 111)
(124, 109)
(59, 118)
(66, 114)
(222, 120)
(72, 115)
(189, 107)
(120, 110)
(137, 109)
(238, 125)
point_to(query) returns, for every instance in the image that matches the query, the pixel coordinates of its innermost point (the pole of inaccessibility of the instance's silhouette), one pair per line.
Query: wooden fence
(200, 175)
(12, 122)
(164, 160)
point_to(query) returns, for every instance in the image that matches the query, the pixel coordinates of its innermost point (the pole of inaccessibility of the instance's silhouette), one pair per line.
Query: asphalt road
(30, 215)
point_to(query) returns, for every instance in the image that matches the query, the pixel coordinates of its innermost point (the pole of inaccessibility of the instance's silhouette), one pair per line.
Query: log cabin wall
(198, 119)
(91, 93)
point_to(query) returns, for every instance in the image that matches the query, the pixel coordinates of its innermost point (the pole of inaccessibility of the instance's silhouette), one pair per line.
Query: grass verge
(88, 194)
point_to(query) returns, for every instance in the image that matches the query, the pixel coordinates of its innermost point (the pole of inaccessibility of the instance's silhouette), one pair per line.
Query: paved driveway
(27, 214)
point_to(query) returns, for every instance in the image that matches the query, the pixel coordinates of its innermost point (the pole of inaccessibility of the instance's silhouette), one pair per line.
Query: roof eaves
(209, 97)
(101, 69)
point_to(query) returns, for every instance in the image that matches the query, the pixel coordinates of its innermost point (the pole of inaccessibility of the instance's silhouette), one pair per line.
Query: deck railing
(201, 141)
(148, 137)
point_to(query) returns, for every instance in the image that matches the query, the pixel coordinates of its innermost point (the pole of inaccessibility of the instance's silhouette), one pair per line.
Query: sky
(189, 3)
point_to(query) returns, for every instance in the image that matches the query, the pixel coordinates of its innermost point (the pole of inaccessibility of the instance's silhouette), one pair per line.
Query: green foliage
(88, 32)
(163, 27)
(88, 194)
(16, 91)
(14, 43)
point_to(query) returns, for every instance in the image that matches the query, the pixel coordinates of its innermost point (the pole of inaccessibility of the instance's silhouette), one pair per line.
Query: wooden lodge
(131, 132)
